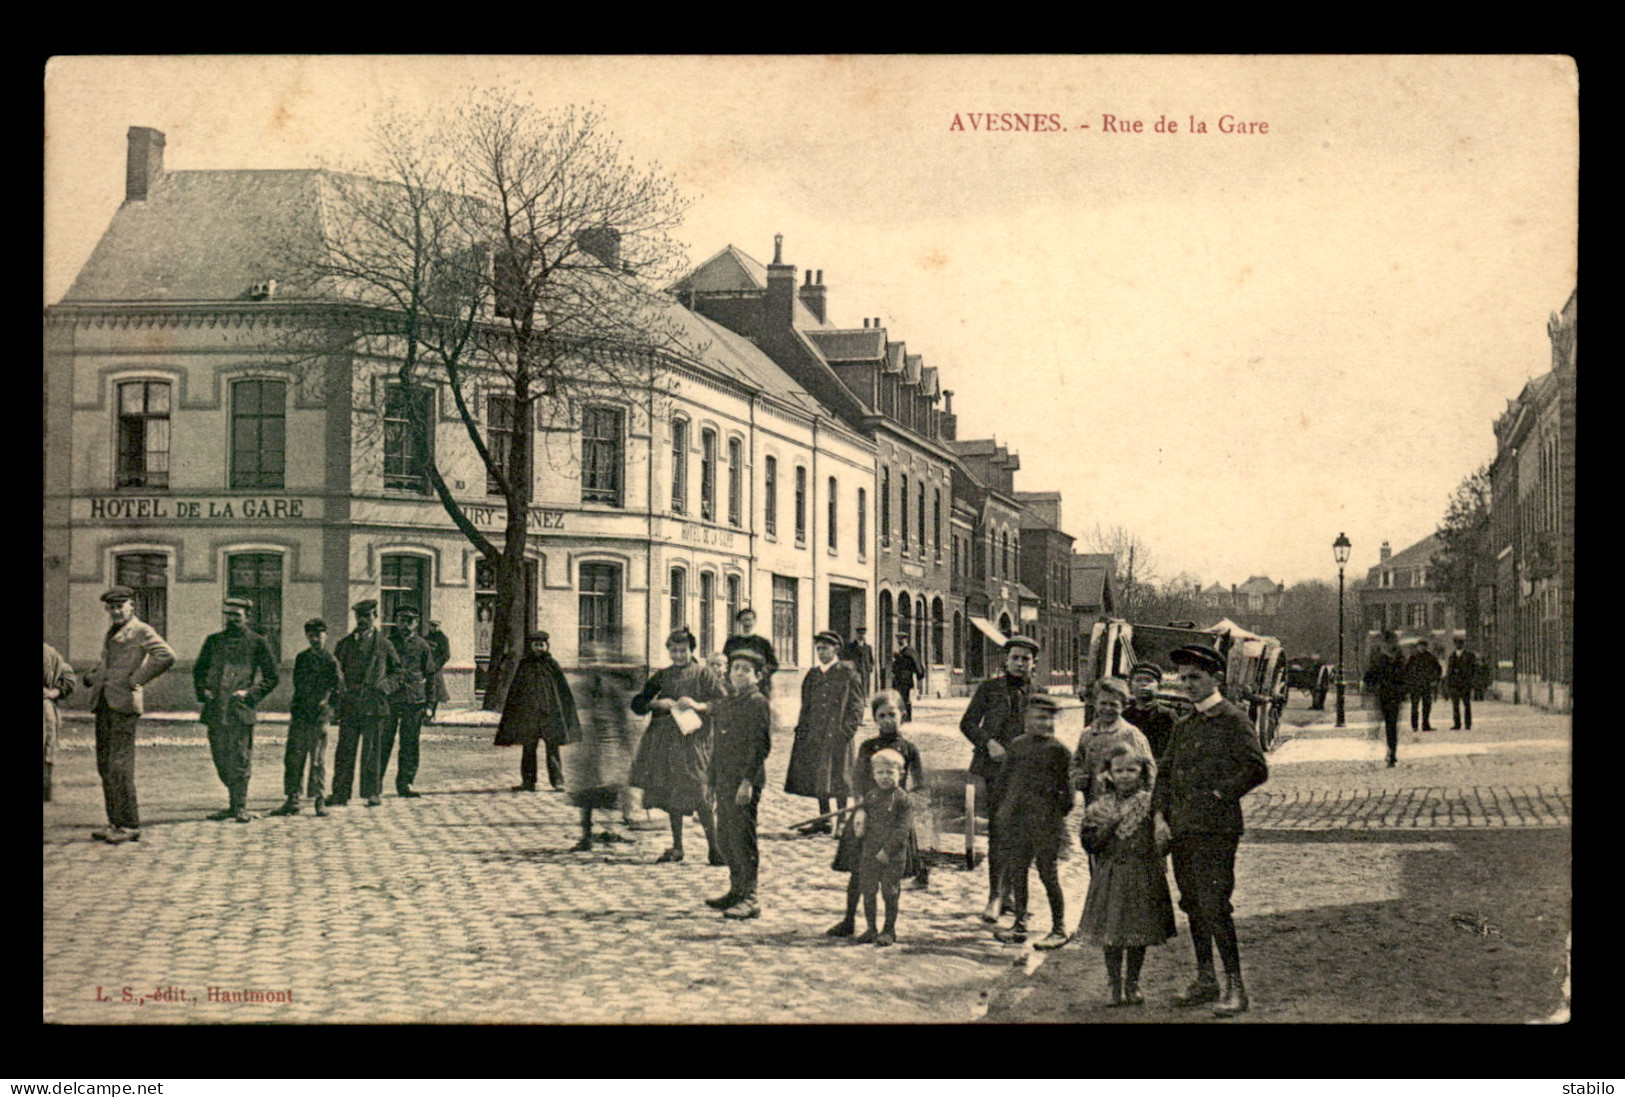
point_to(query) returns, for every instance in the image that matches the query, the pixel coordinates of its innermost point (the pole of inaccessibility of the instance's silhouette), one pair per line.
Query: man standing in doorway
(862, 658)
(995, 718)
(906, 672)
(370, 668)
(234, 671)
(133, 654)
(1459, 678)
(1212, 762)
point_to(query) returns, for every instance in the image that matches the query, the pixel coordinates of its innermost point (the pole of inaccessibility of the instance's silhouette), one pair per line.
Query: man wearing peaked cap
(233, 673)
(1154, 719)
(831, 709)
(316, 685)
(1212, 762)
(133, 654)
(370, 667)
(995, 718)
(407, 702)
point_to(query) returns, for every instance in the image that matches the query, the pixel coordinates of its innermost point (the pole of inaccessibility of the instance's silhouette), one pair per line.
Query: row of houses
(810, 471)
(1520, 616)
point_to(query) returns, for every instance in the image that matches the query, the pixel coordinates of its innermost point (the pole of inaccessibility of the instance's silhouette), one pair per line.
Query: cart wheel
(970, 824)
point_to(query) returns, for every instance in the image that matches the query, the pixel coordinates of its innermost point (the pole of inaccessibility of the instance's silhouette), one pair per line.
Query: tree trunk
(513, 609)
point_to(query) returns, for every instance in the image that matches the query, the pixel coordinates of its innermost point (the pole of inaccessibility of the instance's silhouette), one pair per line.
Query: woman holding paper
(675, 753)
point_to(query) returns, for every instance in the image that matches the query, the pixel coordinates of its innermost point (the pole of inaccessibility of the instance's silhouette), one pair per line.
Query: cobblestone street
(465, 906)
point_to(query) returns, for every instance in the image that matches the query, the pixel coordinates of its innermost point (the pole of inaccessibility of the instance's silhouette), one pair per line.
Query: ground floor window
(733, 602)
(708, 630)
(404, 581)
(257, 576)
(786, 620)
(147, 576)
(599, 608)
(679, 598)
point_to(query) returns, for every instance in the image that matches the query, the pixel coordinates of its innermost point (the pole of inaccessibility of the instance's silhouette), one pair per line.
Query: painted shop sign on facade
(207, 508)
(497, 517)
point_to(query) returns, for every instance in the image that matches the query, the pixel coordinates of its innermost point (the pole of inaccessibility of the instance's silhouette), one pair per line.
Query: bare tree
(1135, 565)
(514, 258)
(1458, 566)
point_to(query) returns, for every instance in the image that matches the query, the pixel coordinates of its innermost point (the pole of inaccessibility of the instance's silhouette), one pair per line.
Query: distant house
(1398, 595)
(1259, 596)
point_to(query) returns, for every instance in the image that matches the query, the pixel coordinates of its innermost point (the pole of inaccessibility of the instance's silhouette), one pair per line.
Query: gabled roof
(1419, 555)
(1257, 584)
(911, 369)
(895, 353)
(850, 344)
(1089, 583)
(729, 270)
(928, 382)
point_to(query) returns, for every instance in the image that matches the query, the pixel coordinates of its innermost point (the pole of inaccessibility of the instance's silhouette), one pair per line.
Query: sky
(1235, 345)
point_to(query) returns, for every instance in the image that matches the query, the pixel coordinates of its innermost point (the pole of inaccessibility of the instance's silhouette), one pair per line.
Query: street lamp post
(1340, 550)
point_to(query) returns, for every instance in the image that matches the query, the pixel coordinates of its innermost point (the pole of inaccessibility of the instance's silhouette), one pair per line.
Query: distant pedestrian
(1032, 819)
(407, 701)
(539, 713)
(1422, 674)
(1128, 907)
(879, 839)
(370, 668)
(234, 672)
(906, 674)
(1385, 678)
(59, 683)
(441, 645)
(1212, 762)
(741, 738)
(317, 687)
(745, 637)
(1102, 736)
(862, 658)
(1154, 719)
(995, 718)
(598, 763)
(674, 758)
(886, 707)
(1460, 677)
(831, 709)
(133, 654)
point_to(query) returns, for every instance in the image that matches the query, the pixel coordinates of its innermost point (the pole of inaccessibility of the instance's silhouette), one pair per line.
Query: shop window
(257, 576)
(733, 602)
(143, 435)
(147, 576)
(407, 433)
(786, 620)
(258, 434)
(603, 455)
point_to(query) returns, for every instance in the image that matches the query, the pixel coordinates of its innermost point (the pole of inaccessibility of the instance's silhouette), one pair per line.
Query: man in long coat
(370, 666)
(831, 709)
(539, 709)
(59, 683)
(906, 673)
(862, 658)
(1212, 762)
(133, 654)
(1459, 679)
(1385, 677)
(441, 644)
(995, 718)
(407, 702)
(233, 673)
(1422, 674)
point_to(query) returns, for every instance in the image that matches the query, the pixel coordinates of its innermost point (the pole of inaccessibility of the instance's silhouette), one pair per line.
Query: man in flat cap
(407, 702)
(1211, 763)
(995, 718)
(317, 687)
(862, 658)
(1154, 719)
(369, 666)
(234, 671)
(831, 709)
(133, 654)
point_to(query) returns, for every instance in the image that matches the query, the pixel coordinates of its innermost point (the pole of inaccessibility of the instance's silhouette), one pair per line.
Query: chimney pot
(144, 162)
(820, 278)
(809, 278)
(778, 247)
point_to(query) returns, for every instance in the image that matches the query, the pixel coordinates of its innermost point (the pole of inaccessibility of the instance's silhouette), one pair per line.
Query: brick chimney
(602, 242)
(812, 295)
(144, 163)
(948, 422)
(781, 289)
(1383, 553)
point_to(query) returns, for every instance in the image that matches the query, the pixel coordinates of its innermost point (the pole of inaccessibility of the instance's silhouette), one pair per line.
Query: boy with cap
(233, 673)
(317, 687)
(1154, 719)
(831, 709)
(993, 720)
(1212, 762)
(369, 666)
(742, 737)
(133, 654)
(407, 702)
(1032, 818)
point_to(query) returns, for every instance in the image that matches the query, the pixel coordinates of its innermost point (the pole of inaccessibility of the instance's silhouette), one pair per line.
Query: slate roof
(1257, 584)
(1419, 555)
(728, 270)
(849, 344)
(1089, 584)
(928, 381)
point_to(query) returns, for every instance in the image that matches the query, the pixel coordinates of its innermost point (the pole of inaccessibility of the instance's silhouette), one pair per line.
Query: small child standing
(1128, 907)
(1032, 818)
(875, 847)
(887, 709)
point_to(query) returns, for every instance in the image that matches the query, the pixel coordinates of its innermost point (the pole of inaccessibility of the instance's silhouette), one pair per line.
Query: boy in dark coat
(831, 709)
(317, 686)
(1032, 818)
(741, 737)
(539, 709)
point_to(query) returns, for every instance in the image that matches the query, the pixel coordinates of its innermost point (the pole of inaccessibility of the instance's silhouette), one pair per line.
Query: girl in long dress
(671, 766)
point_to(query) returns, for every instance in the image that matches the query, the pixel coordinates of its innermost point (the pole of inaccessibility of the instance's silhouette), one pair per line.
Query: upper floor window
(936, 537)
(801, 504)
(499, 431)
(407, 451)
(603, 455)
(679, 466)
(903, 511)
(832, 495)
(736, 481)
(143, 434)
(863, 523)
(770, 497)
(258, 434)
(708, 475)
(885, 506)
(922, 519)
(1004, 569)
